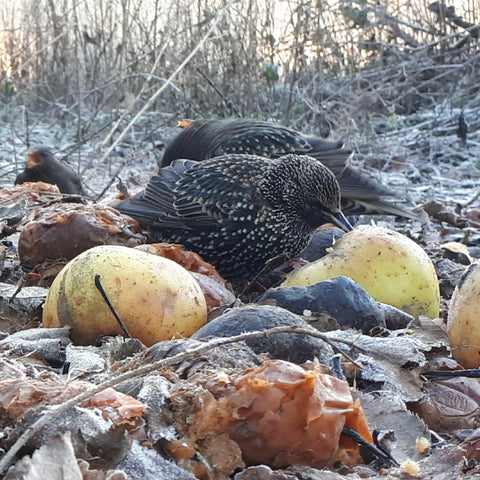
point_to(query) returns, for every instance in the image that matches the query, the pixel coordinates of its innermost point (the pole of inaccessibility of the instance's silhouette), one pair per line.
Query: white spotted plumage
(238, 211)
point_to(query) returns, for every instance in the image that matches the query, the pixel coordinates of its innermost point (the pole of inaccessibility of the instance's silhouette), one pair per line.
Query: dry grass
(305, 63)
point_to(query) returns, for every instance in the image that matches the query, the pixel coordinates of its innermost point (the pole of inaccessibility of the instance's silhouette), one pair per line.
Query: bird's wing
(266, 139)
(354, 183)
(191, 143)
(362, 195)
(256, 138)
(273, 141)
(220, 189)
(193, 195)
(150, 204)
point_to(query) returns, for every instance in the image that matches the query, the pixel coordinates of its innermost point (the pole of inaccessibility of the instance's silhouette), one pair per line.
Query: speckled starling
(203, 139)
(239, 211)
(42, 166)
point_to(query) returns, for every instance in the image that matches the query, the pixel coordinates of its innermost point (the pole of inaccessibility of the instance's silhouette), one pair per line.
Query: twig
(469, 373)
(147, 105)
(130, 107)
(473, 199)
(103, 293)
(27, 127)
(385, 457)
(39, 52)
(228, 103)
(146, 76)
(112, 179)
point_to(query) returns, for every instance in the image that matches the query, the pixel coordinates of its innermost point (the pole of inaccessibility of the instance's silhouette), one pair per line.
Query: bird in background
(41, 166)
(202, 139)
(462, 129)
(239, 211)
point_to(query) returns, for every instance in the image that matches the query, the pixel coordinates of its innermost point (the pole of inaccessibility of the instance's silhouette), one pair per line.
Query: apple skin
(392, 268)
(463, 322)
(155, 298)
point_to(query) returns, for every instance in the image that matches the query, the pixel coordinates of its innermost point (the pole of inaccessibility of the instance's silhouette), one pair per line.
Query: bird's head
(309, 189)
(37, 156)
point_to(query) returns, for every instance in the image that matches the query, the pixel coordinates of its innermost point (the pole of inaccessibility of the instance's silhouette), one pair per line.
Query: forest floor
(419, 156)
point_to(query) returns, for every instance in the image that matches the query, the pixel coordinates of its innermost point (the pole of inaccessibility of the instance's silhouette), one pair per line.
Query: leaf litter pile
(328, 385)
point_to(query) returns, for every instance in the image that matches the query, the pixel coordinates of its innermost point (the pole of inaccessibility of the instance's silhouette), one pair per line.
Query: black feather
(204, 139)
(239, 211)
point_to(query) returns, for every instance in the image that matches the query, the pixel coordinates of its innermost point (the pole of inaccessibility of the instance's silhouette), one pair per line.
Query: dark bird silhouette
(42, 166)
(239, 211)
(210, 138)
(462, 129)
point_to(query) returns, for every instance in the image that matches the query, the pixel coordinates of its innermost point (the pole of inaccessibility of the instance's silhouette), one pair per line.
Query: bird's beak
(184, 123)
(33, 160)
(340, 221)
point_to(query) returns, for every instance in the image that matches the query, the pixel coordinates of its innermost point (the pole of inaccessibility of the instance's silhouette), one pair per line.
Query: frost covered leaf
(393, 363)
(262, 472)
(45, 344)
(17, 397)
(387, 412)
(19, 307)
(15, 202)
(121, 409)
(55, 457)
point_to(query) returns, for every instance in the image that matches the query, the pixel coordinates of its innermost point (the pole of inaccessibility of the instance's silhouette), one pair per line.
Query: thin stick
(53, 412)
(384, 456)
(157, 93)
(473, 199)
(103, 293)
(130, 107)
(469, 373)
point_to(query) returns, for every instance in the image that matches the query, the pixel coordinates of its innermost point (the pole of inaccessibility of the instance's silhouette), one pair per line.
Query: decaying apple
(155, 298)
(389, 265)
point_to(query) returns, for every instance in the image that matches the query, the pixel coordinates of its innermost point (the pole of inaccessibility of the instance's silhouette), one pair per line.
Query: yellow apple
(392, 268)
(464, 318)
(155, 298)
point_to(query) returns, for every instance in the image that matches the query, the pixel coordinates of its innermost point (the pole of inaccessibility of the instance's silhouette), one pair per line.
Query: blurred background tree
(312, 64)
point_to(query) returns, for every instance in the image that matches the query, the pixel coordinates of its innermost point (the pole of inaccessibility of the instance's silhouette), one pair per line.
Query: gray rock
(341, 297)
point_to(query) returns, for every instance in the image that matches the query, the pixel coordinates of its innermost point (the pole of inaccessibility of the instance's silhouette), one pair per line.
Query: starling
(43, 167)
(210, 138)
(203, 139)
(238, 211)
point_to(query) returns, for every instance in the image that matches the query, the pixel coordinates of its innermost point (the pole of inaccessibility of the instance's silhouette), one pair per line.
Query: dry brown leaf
(18, 397)
(450, 405)
(31, 191)
(121, 409)
(192, 261)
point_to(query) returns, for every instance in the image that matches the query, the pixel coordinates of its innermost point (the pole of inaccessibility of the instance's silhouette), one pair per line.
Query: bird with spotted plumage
(361, 194)
(239, 211)
(42, 166)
